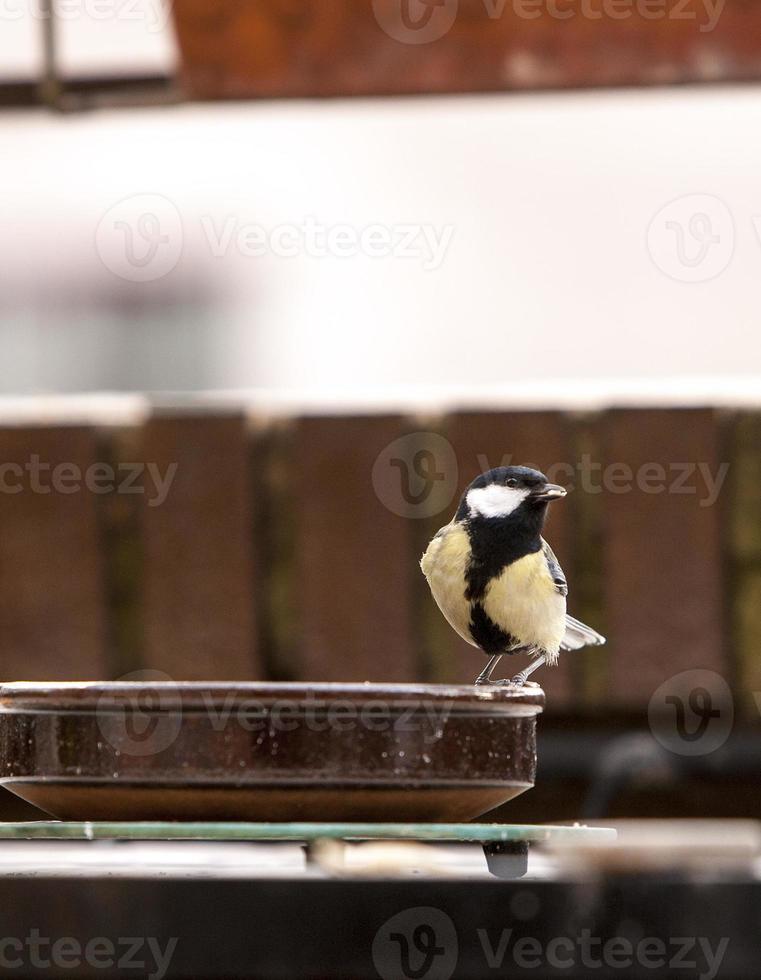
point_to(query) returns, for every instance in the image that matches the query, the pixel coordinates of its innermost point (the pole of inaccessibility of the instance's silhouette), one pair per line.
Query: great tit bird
(495, 578)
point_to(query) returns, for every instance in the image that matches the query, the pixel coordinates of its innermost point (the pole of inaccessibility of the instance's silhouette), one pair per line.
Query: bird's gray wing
(558, 576)
(578, 635)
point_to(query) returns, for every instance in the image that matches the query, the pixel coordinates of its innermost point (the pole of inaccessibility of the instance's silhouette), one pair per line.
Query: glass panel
(473, 832)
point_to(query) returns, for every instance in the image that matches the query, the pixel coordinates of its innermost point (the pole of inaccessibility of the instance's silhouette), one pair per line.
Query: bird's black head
(507, 491)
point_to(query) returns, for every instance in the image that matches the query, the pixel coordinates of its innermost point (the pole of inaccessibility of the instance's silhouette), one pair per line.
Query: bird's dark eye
(512, 483)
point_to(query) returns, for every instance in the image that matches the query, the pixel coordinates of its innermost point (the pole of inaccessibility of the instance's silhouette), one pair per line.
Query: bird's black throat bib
(496, 542)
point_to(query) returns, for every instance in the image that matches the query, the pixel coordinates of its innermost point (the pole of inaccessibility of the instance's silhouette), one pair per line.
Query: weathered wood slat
(198, 570)
(347, 601)
(354, 560)
(274, 473)
(52, 605)
(663, 561)
(587, 599)
(744, 565)
(120, 522)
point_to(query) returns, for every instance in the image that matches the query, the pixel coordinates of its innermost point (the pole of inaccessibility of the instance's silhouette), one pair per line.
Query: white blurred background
(541, 206)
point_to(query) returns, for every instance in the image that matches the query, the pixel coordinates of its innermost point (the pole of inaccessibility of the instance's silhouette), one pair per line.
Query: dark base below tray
(96, 801)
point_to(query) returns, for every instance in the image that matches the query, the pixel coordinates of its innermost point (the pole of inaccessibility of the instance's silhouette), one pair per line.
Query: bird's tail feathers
(578, 635)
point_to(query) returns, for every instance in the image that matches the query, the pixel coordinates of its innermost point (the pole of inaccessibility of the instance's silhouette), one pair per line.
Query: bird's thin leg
(485, 676)
(520, 679)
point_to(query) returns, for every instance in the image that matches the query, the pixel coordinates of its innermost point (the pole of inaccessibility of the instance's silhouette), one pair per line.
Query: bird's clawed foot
(517, 681)
(520, 680)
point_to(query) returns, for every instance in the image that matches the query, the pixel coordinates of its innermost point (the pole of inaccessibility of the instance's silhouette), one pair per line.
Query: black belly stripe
(487, 634)
(495, 544)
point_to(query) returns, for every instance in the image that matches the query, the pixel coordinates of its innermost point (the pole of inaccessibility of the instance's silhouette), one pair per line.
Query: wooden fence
(286, 551)
(265, 48)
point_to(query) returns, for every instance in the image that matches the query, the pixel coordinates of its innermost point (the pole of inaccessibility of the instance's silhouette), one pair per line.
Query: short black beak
(550, 491)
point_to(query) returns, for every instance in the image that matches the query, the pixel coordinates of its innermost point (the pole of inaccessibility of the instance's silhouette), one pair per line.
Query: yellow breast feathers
(523, 600)
(444, 565)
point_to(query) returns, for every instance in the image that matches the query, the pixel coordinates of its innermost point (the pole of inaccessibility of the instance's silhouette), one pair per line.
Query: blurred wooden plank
(120, 521)
(275, 473)
(354, 560)
(264, 48)
(481, 441)
(588, 597)
(745, 555)
(664, 560)
(745, 484)
(199, 589)
(52, 606)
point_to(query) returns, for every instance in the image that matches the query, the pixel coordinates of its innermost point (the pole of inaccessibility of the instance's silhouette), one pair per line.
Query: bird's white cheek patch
(495, 500)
